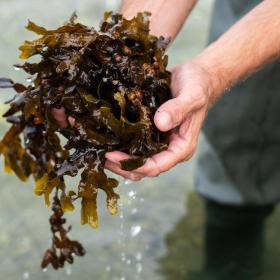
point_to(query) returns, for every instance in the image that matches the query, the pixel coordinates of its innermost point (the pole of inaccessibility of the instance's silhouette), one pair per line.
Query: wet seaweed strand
(111, 82)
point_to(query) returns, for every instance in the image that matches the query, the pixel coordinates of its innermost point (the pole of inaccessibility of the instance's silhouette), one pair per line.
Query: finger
(117, 156)
(173, 112)
(115, 167)
(72, 121)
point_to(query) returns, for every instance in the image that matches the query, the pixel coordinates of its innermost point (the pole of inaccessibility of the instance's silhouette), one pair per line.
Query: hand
(193, 92)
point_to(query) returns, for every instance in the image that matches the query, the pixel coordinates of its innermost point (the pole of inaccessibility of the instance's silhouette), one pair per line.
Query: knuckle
(191, 151)
(200, 98)
(156, 170)
(203, 99)
(153, 174)
(183, 155)
(182, 158)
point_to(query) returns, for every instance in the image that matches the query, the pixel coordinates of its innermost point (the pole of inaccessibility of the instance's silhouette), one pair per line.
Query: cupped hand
(193, 93)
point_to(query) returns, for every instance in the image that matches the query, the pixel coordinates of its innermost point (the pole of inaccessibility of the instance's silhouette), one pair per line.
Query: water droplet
(16, 68)
(134, 211)
(26, 275)
(142, 199)
(123, 254)
(132, 194)
(108, 268)
(122, 278)
(45, 269)
(139, 267)
(127, 182)
(68, 271)
(135, 230)
(121, 215)
(128, 261)
(138, 256)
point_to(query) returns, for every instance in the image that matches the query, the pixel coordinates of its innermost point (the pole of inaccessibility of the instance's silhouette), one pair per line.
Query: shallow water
(153, 236)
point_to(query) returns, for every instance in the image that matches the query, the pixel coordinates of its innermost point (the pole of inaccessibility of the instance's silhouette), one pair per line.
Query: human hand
(193, 91)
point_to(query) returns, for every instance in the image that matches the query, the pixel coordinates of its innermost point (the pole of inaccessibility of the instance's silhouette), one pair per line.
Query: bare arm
(168, 16)
(244, 48)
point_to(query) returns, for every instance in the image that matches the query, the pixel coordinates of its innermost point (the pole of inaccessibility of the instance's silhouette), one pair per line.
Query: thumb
(173, 112)
(170, 114)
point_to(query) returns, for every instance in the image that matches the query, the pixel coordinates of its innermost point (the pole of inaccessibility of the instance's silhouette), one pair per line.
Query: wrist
(217, 78)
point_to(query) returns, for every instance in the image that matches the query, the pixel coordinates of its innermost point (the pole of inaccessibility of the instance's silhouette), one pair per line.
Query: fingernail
(165, 120)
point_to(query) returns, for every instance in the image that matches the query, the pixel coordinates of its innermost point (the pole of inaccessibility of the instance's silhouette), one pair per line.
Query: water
(122, 238)
(139, 267)
(127, 182)
(68, 270)
(26, 275)
(135, 230)
(126, 209)
(132, 194)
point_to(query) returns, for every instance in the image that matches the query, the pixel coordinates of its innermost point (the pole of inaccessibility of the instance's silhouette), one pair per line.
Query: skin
(198, 83)
(172, 23)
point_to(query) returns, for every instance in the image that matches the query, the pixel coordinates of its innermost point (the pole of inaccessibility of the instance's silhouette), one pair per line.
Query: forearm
(168, 16)
(244, 48)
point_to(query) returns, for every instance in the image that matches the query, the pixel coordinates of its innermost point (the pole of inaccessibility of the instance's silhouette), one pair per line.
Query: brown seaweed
(111, 82)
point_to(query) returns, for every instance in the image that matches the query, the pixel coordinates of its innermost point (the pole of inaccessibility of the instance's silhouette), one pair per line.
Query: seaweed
(110, 82)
